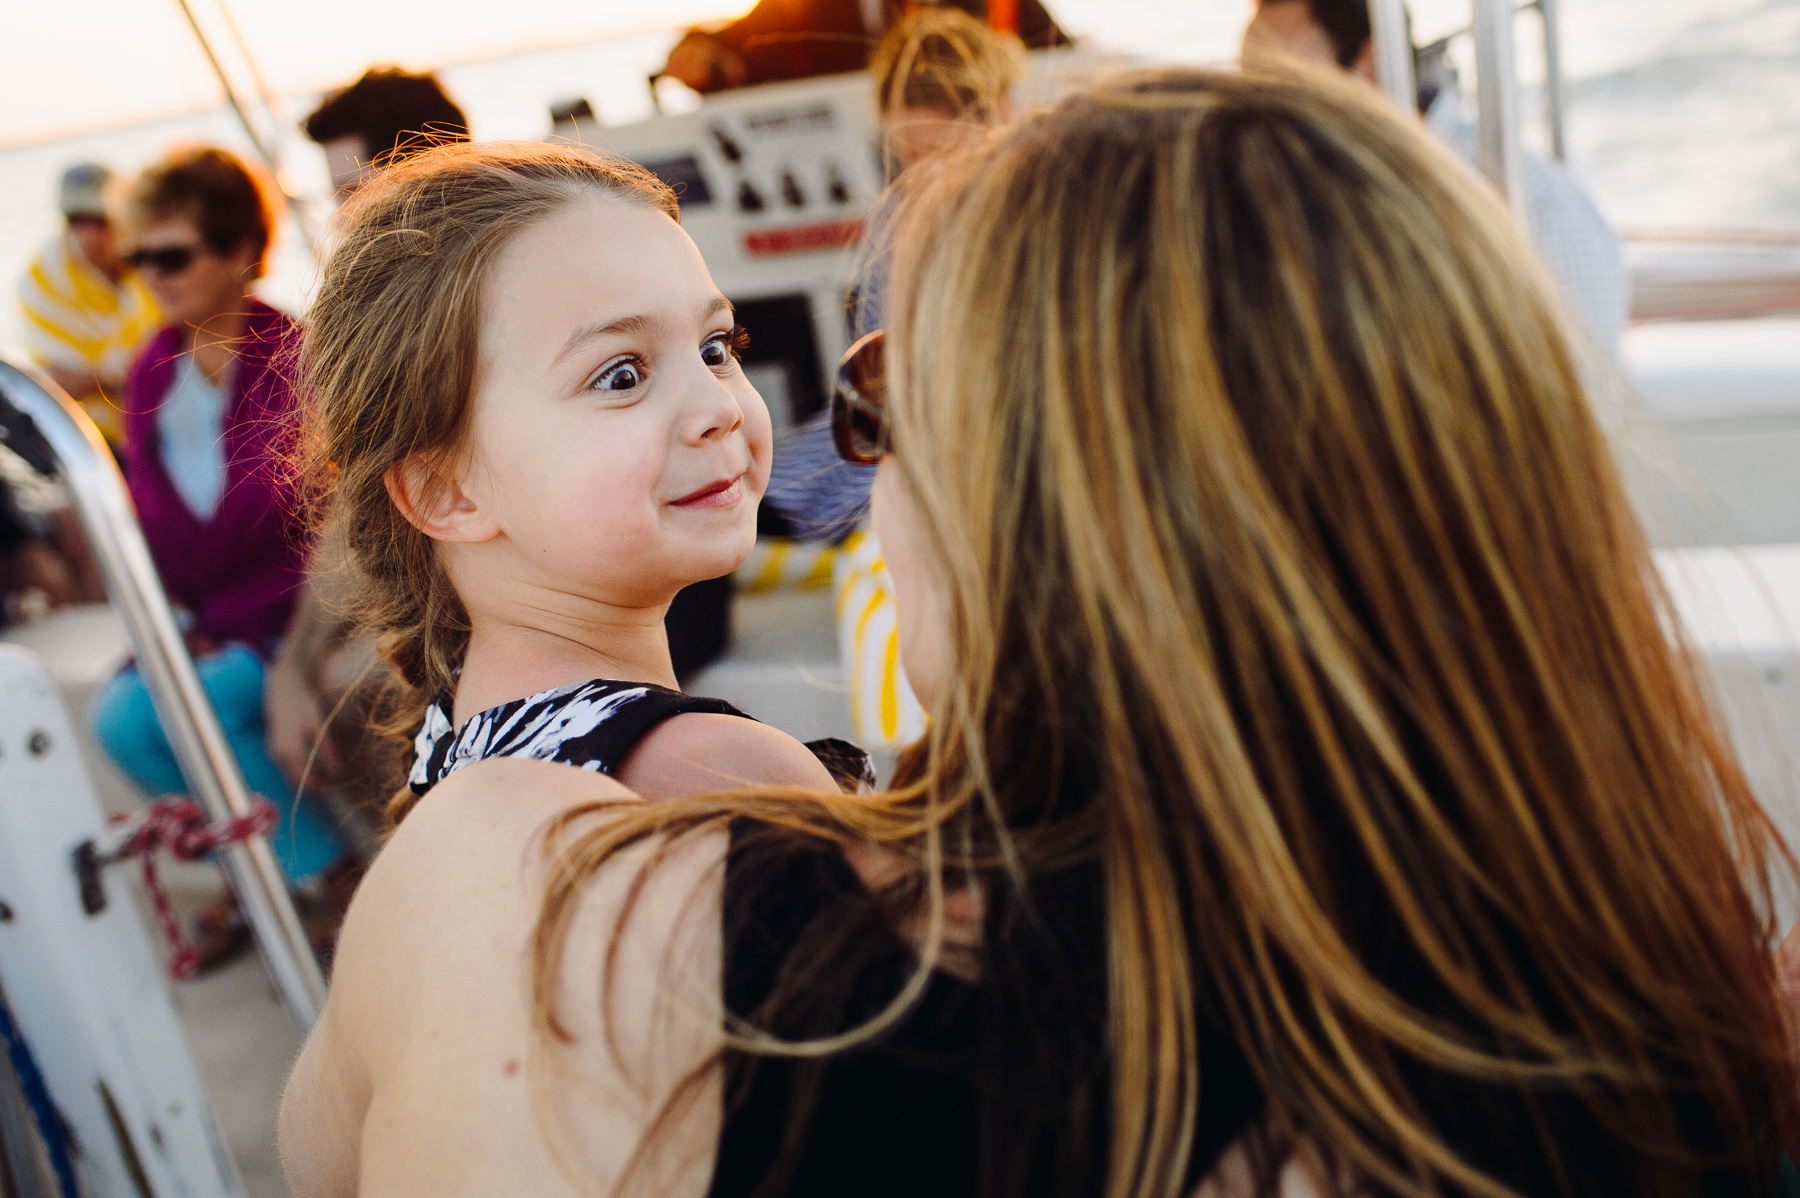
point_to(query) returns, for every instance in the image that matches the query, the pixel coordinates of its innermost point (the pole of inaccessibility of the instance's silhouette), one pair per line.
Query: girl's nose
(716, 413)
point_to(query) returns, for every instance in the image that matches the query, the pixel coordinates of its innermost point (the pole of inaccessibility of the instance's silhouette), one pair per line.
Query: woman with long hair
(1315, 800)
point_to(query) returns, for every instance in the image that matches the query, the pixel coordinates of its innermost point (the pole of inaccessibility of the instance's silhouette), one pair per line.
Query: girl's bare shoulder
(698, 753)
(428, 1044)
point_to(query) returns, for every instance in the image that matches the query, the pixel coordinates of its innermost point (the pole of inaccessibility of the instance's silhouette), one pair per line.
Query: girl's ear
(433, 501)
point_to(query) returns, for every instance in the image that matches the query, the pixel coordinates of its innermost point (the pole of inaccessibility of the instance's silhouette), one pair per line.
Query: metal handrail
(67, 443)
(1550, 15)
(267, 151)
(1500, 155)
(1392, 43)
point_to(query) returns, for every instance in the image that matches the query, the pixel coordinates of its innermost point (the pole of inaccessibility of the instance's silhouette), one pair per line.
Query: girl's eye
(723, 348)
(620, 376)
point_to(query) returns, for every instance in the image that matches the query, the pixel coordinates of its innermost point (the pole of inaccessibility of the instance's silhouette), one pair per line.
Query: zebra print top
(590, 725)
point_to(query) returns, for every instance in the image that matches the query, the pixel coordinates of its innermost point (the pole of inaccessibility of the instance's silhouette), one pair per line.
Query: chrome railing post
(1549, 12)
(1501, 157)
(107, 514)
(1392, 43)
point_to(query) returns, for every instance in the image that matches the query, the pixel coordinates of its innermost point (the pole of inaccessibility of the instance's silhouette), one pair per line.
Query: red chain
(179, 825)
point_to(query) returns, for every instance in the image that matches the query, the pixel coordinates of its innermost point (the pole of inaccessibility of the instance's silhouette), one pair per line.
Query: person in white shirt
(1575, 242)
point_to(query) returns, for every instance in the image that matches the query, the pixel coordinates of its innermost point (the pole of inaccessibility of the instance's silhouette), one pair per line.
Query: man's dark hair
(1346, 23)
(396, 113)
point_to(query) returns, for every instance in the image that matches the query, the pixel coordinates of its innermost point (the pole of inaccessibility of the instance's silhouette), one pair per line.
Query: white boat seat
(1721, 462)
(82, 648)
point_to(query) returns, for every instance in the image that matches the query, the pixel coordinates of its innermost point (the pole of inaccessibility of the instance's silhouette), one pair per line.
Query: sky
(1682, 111)
(74, 65)
(69, 66)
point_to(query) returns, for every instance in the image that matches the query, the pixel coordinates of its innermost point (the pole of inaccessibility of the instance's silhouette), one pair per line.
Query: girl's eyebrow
(631, 324)
(625, 324)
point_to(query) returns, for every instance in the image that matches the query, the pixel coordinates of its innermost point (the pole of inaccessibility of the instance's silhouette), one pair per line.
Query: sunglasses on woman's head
(857, 428)
(170, 260)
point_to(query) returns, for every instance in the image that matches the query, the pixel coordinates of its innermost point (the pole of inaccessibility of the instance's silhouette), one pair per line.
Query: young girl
(527, 416)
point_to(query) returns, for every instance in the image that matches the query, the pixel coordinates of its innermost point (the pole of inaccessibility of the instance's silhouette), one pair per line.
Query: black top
(949, 1101)
(894, 1117)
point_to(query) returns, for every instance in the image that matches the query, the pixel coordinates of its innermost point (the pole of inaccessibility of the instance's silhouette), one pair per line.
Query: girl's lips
(724, 493)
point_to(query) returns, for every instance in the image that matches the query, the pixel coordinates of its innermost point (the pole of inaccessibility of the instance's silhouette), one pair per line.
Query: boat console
(775, 184)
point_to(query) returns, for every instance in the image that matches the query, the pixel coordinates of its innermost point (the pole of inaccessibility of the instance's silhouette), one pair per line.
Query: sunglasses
(170, 260)
(857, 428)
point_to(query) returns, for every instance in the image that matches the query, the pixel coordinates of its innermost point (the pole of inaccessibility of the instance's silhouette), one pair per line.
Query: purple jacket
(240, 572)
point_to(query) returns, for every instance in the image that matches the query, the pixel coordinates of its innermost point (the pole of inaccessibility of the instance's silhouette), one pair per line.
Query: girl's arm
(320, 1126)
(425, 1074)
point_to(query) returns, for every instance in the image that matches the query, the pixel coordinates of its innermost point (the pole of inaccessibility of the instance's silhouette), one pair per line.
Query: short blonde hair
(944, 59)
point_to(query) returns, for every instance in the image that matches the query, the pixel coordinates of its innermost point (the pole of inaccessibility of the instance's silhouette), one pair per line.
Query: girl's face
(614, 440)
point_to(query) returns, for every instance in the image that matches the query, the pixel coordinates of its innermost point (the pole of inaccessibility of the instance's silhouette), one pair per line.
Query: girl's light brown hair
(390, 362)
(1294, 596)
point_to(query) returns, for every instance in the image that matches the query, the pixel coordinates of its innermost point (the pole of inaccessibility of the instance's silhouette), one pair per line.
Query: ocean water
(1681, 113)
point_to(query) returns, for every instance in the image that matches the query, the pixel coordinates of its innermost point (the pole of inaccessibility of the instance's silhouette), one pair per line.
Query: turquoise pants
(125, 724)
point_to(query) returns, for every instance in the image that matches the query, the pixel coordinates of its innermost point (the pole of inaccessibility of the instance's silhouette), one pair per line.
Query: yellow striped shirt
(78, 319)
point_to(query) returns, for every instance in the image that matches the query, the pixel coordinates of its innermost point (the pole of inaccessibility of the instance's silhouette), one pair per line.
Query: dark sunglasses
(170, 260)
(857, 428)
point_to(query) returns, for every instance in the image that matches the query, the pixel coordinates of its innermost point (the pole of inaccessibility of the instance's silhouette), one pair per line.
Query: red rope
(179, 825)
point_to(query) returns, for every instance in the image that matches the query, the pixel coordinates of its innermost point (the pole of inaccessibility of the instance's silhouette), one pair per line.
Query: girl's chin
(733, 552)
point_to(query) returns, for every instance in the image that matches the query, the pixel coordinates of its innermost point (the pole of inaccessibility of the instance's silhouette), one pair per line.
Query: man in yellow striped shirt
(85, 314)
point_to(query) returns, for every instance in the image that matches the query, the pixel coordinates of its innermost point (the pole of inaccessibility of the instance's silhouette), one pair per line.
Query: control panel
(774, 184)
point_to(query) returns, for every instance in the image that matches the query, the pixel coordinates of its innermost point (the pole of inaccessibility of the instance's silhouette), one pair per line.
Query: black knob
(790, 190)
(733, 152)
(748, 198)
(835, 187)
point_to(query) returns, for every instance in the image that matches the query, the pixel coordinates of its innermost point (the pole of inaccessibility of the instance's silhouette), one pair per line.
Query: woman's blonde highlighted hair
(389, 366)
(1298, 614)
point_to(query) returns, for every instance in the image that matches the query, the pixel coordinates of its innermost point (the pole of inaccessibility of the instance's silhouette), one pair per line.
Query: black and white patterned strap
(590, 725)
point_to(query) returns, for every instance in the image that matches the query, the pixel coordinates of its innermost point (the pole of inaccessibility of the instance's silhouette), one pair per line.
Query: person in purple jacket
(207, 408)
